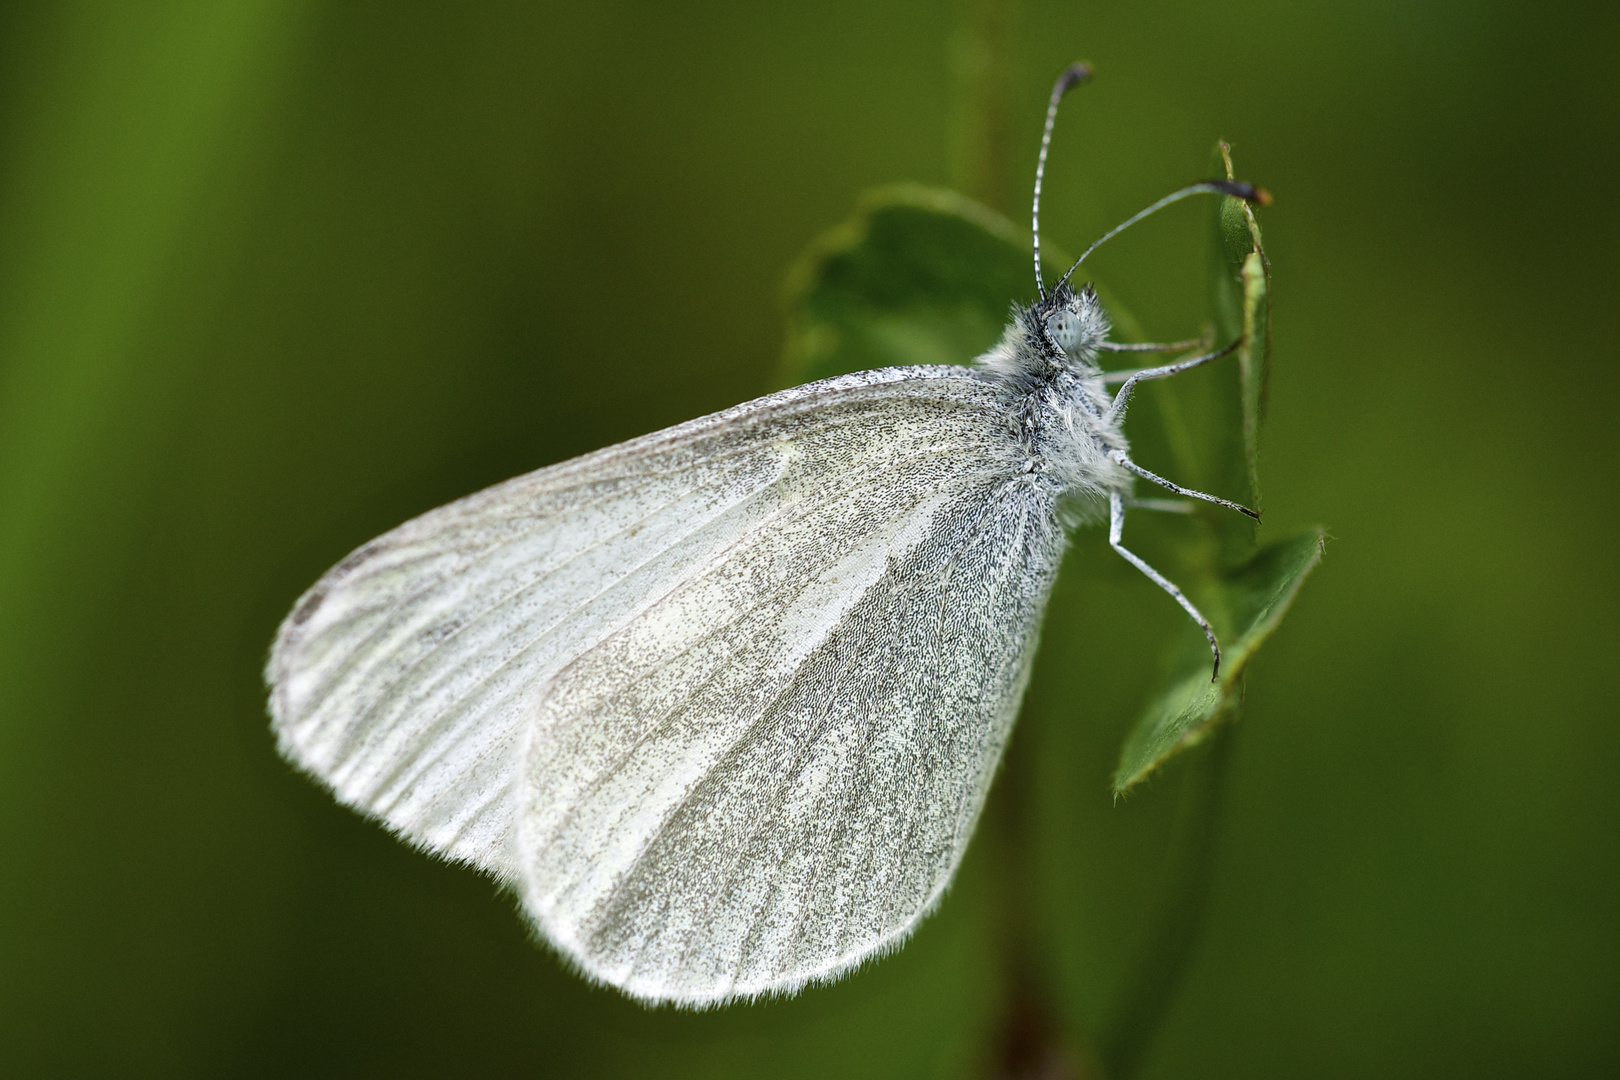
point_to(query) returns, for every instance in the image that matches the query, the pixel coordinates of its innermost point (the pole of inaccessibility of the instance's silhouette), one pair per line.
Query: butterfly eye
(1065, 329)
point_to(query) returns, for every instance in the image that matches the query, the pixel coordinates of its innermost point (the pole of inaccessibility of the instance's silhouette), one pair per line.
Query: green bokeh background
(275, 275)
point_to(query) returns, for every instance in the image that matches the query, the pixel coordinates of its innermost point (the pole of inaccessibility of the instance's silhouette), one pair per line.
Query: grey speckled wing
(429, 671)
(772, 772)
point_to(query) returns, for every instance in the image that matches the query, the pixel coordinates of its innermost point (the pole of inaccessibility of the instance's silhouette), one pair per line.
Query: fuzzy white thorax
(1047, 358)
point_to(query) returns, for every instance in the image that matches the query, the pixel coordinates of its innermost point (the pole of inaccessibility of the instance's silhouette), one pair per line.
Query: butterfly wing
(772, 772)
(406, 677)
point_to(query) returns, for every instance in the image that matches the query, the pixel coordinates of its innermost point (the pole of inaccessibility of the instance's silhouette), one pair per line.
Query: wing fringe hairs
(670, 692)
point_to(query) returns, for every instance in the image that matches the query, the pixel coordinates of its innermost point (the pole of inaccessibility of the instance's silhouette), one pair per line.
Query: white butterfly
(722, 704)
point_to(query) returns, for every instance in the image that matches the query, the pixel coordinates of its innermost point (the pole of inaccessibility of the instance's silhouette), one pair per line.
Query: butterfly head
(1073, 321)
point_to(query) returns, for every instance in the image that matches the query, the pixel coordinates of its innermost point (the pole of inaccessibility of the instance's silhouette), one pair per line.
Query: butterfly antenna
(1073, 75)
(1235, 188)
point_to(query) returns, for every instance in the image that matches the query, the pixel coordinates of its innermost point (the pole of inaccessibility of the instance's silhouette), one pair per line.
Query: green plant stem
(1179, 914)
(1029, 1042)
(985, 155)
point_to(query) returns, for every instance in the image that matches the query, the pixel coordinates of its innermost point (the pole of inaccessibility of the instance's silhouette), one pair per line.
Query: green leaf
(918, 276)
(1249, 602)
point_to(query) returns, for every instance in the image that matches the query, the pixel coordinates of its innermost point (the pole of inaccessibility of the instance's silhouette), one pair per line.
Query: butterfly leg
(1123, 396)
(1119, 457)
(1116, 530)
(1163, 506)
(1151, 346)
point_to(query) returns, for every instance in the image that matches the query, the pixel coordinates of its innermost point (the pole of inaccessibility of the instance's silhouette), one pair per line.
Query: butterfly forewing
(407, 676)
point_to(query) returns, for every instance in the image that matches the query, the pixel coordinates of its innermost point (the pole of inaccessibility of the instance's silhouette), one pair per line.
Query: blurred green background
(275, 275)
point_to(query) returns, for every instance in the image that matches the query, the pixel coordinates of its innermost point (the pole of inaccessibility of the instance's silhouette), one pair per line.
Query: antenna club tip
(1238, 189)
(1073, 75)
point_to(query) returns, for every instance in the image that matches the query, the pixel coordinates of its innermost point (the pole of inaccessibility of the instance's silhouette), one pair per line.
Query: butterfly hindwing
(773, 772)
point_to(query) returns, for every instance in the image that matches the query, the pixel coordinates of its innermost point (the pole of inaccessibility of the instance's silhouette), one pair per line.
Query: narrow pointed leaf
(1244, 590)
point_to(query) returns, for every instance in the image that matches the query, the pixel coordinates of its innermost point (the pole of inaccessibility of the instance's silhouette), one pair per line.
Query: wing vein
(832, 423)
(722, 556)
(452, 715)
